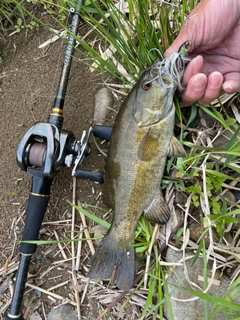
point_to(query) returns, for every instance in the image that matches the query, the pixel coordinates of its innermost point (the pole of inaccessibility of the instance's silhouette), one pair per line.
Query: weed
(8, 10)
(20, 25)
(129, 39)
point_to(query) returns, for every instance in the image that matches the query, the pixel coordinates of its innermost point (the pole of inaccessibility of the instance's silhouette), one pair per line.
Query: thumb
(188, 30)
(181, 38)
(186, 33)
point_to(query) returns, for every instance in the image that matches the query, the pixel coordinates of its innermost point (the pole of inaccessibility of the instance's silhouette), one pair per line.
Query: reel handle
(103, 132)
(95, 176)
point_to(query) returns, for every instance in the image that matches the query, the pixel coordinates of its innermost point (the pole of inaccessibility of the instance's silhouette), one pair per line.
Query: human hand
(214, 29)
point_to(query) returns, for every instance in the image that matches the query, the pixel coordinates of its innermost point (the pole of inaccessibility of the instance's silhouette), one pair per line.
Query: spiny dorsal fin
(176, 149)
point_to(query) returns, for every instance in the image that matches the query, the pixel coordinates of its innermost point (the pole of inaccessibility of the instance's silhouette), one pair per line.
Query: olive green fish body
(141, 140)
(134, 170)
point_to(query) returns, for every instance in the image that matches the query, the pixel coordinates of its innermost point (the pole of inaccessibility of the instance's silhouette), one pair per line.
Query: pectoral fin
(158, 211)
(148, 148)
(176, 149)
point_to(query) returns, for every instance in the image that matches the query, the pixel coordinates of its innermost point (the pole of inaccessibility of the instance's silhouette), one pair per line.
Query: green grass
(10, 9)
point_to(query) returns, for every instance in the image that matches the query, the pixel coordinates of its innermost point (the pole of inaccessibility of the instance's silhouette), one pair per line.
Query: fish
(142, 139)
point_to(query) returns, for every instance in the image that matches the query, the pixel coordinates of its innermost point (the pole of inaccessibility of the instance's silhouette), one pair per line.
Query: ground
(28, 81)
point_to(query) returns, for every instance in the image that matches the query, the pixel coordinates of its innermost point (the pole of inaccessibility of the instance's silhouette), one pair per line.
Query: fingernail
(214, 81)
(199, 83)
(228, 88)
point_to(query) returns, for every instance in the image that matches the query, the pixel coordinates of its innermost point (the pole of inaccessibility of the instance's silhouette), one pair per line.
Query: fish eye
(146, 85)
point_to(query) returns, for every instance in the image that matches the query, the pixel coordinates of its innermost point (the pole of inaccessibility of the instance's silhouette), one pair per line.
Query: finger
(231, 82)
(175, 46)
(195, 88)
(213, 88)
(194, 67)
(184, 35)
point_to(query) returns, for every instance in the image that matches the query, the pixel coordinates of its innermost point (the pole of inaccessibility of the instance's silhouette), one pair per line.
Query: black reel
(45, 149)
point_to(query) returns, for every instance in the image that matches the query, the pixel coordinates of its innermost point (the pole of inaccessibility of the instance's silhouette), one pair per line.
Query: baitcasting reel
(45, 149)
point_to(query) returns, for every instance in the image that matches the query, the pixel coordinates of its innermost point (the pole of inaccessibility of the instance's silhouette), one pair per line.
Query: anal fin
(158, 211)
(176, 149)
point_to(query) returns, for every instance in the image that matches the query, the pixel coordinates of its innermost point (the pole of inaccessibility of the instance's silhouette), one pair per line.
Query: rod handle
(36, 209)
(37, 206)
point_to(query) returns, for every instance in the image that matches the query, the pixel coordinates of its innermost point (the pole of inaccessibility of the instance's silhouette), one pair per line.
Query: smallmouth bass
(142, 139)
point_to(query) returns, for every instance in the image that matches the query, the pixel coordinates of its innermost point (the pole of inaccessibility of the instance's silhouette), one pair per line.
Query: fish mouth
(169, 71)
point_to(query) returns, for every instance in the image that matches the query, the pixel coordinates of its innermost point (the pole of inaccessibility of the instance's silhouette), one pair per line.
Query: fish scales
(141, 140)
(136, 181)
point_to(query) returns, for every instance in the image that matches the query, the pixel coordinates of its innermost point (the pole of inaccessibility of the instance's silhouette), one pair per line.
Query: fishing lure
(184, 48)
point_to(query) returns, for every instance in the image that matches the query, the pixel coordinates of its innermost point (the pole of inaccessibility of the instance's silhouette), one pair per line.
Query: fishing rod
(43, 151)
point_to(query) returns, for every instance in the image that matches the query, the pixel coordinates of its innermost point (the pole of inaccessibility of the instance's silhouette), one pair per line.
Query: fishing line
(194, 28)
(154, 49)
(161, 2)
(172, 67)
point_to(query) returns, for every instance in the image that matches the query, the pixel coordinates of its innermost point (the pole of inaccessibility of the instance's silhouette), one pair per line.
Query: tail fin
(110, 261)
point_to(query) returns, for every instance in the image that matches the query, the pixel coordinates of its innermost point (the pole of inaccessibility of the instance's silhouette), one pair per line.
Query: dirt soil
(28, 80)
